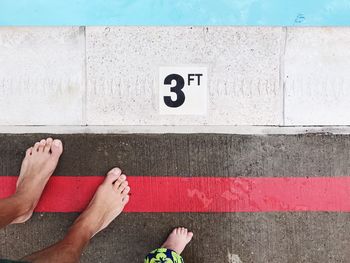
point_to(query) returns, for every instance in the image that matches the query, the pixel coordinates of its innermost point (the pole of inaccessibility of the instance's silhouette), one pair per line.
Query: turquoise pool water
(176, 12)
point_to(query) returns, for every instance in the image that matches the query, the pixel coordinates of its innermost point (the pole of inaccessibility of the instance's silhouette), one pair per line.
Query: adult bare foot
(38, 165)
(108, 202)
(178, 239)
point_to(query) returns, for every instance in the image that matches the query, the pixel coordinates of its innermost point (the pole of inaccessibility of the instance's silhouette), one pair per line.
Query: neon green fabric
(163, 255)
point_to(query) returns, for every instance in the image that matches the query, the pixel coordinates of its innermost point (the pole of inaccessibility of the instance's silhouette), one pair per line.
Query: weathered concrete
(253, 237)
(42, 75)
(180, 129)
(190, 154)
(43, 78)
(317, 62)
(122, 65)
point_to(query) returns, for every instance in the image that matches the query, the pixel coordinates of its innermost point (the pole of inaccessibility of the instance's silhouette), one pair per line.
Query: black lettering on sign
(190, 78)
(177, 89)
(199, 78)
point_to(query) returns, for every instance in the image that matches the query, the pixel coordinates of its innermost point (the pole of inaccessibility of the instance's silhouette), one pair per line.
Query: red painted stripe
(200, 194)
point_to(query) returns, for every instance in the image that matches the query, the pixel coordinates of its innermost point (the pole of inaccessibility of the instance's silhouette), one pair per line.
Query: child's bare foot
(38, 165)
(108, 202)
(178, 239)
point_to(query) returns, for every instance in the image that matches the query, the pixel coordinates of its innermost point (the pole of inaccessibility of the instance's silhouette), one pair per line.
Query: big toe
(56, 148)
(189, 236)
(113, 175)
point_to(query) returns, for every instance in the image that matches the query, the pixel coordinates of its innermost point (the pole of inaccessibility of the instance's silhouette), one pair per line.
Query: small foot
(178, 239)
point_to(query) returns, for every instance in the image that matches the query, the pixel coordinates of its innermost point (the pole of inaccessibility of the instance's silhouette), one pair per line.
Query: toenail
(57, 143)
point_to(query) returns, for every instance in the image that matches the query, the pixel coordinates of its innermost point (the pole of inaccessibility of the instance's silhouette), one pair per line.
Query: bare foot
(178, 239)
(108, 202)
(38, 165)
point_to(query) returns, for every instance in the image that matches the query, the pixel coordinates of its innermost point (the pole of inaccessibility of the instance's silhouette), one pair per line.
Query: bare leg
(178, 239)
(11, 208)
(108, 202)
(38, 165)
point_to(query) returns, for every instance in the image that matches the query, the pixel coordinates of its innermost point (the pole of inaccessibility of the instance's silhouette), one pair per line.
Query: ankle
(21, 204)
(168, 245)
(81, 230)
(90, 224)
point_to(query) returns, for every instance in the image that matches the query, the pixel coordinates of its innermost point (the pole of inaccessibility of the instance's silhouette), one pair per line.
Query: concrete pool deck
(227, 237)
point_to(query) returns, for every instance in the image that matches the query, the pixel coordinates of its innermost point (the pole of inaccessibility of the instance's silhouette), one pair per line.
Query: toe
(116, 170)
(189, 236)
(36, 147)
(126, 191)
(48, 145)
(113, 175)
(56, 148)
(29, 151)
(120, 180)
(42, 145)
(122, 186)
(125, 200)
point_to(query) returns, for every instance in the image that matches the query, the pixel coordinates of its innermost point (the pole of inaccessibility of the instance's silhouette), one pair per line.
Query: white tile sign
(183, 90)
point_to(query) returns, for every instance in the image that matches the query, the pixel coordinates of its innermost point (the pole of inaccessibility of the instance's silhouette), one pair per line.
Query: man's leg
(108, 202)
(38, 165)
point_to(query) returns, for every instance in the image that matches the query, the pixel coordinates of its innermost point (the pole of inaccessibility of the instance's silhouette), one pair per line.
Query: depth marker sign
(183, 90)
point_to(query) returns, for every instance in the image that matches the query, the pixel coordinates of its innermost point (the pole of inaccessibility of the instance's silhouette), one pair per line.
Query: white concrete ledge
(42, 75)
(317, 76)
(243, 69)
(154, 129)
(257, 76)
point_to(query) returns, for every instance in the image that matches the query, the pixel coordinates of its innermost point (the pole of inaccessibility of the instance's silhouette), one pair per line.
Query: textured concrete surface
(50, 76)
(251, 237)
(317, 76)
(123, 62)
(42, 77)
(190, 154)
(181, 129)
